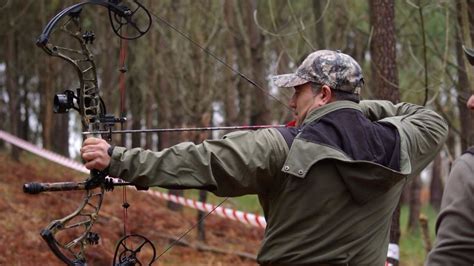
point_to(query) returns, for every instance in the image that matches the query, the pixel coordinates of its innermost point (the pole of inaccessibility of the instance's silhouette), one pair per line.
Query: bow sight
(64, 101)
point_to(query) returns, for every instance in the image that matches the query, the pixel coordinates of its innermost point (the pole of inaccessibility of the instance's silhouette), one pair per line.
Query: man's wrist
(110, 150)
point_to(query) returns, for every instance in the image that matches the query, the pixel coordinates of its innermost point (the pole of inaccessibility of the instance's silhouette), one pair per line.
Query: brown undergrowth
(23, 216)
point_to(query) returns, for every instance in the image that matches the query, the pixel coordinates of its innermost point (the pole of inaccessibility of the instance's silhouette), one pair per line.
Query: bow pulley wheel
(129, 19)
(134, 249)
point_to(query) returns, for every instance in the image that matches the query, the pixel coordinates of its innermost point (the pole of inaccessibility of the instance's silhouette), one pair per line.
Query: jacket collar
(317, 113)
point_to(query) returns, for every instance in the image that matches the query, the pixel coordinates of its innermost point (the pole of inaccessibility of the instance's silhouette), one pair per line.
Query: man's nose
(292, 102)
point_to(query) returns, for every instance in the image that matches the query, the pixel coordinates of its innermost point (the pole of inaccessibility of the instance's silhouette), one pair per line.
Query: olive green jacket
(320, 205)
(455, 224)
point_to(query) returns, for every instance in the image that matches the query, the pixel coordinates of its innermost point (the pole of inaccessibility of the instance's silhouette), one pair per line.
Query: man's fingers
(93, 165)
(91, 155)
(97, 164)
(90, 148)
(92, 141)
(94, 152)
(94, 145)
(89, 165)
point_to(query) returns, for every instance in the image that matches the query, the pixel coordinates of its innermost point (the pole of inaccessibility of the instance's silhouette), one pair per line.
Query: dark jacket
(455, 224)
(328, 189)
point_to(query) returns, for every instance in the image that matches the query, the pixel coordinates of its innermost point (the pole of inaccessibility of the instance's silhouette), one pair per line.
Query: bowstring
(122, 88)
(189, 230)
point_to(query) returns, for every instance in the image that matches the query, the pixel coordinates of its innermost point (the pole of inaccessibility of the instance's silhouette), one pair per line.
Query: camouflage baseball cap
(333, 68)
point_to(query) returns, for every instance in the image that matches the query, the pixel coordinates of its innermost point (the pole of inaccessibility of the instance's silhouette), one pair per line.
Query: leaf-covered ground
(23, 216)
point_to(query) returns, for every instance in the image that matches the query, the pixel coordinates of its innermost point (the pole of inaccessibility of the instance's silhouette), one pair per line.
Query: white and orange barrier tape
(243, 217)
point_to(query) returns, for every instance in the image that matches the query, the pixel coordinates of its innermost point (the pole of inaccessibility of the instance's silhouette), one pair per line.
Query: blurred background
(410, 51)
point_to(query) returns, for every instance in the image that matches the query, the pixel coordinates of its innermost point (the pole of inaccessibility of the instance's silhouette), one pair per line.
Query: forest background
(410, 51)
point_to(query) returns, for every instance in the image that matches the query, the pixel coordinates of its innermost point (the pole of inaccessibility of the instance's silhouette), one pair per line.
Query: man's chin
(297, 119)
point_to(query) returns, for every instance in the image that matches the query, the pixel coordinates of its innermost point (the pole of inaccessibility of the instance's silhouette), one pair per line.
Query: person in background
(328, 186)
(455, 223)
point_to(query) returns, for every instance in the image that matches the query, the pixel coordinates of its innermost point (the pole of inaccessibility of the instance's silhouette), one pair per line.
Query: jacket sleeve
(455, 223)
(422, 131)
(240, 163)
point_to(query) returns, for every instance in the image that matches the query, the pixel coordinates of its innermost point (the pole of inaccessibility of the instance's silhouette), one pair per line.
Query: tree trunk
(234, 19)
(25, 123)
(135, 101)
(149, 118)
(384, 82)
(11, 67)
(60, 142)
(46, 101)
(232, 80)
(413, 217)
(464, 77)
(60, 122)
(199, 137)
(201, 228)
(260, 102)
(165, 97)
(436, 185)
(320, 30)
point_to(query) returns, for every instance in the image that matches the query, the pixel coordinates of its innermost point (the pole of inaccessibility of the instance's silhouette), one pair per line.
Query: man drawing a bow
(328, 186)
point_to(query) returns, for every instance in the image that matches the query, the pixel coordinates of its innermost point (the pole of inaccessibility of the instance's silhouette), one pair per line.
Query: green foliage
(412, 249)
(248, 203)
(439, 26)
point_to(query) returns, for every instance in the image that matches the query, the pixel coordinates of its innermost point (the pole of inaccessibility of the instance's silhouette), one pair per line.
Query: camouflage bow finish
(68, 237)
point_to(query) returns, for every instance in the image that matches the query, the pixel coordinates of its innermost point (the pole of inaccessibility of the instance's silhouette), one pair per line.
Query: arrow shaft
(184, 129)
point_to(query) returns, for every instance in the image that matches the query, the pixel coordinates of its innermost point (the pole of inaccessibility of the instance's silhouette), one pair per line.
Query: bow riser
(89, 103)
(72, 252)
(82, 61)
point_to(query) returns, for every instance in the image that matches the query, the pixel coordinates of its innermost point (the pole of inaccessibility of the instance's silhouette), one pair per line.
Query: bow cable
(122, 88)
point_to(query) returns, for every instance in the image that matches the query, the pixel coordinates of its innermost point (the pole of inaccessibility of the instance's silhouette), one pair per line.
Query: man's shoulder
(360, 139)
(465, 162)
(289, 134)
(270, 138)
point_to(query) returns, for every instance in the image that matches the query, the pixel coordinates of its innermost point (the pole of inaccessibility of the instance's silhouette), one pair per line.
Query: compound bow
(129, 21)
(97, 122)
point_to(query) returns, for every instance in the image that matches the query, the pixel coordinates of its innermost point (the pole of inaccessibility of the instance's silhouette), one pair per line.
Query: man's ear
(326, 94)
